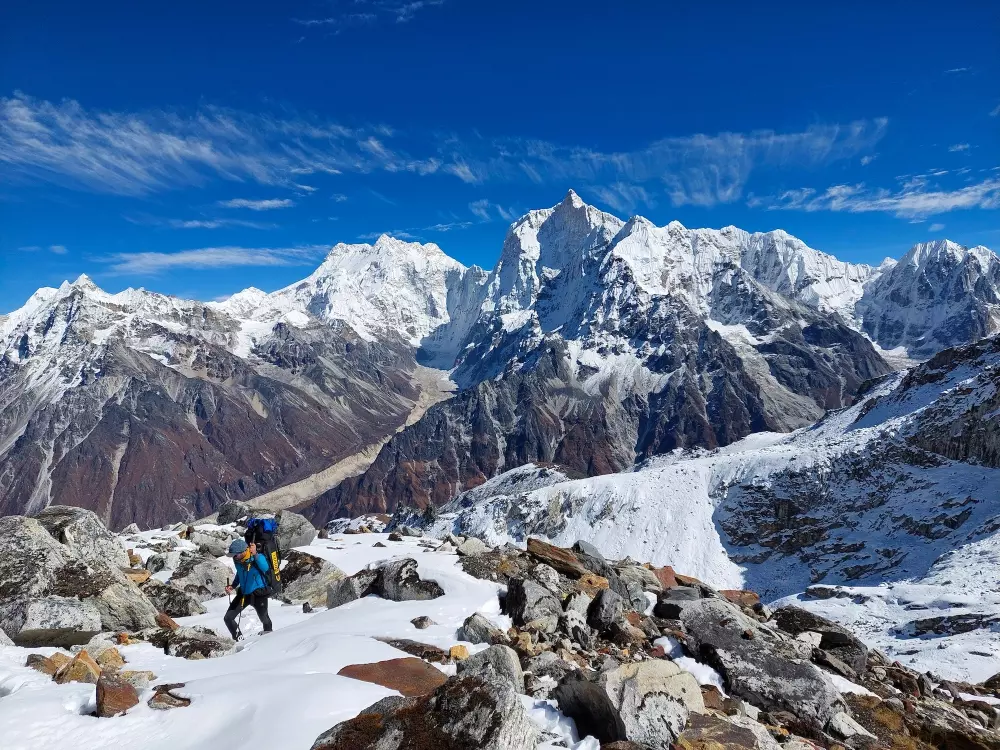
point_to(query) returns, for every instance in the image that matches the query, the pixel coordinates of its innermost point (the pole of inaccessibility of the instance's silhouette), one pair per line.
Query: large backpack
(263, 532)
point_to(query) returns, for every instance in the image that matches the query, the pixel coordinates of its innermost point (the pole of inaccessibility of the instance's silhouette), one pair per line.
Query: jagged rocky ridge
(593, 343)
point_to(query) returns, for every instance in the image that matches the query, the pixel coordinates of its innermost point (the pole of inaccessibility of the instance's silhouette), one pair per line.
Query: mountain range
(593, 343)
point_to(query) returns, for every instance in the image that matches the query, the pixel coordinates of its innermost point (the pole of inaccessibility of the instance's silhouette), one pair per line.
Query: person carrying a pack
(251, 585)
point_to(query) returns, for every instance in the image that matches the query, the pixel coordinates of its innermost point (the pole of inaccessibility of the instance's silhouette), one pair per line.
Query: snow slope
(276, 691)
(867, 497)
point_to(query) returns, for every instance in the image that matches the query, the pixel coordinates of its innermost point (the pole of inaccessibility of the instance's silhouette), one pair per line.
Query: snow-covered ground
(912, 534)
(275, 691)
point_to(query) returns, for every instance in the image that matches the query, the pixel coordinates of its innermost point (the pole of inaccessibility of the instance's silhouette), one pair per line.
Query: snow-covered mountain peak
(939, 294)
(946, 252)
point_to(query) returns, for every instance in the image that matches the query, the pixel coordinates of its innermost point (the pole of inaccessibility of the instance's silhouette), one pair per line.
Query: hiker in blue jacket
(251, 585)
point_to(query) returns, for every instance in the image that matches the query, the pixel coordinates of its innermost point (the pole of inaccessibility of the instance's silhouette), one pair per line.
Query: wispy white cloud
(30, 248)
(268, 204)
(448, 226)
(204, 223)
(935, 227)
(701, 170)
(58, 249)
(915, 199)
(486, 210)
(367, 12)
(995, 112)
(150, 263)
(399, 234)
(146, 152)
(338, 197)
(154, 151)
(383, 198)
(959, 147)
(623, 197)
(959, 70)
(868, 159)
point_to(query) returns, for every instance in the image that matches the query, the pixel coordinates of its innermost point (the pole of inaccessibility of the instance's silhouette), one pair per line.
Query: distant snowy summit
(592, 342)
(940, 294)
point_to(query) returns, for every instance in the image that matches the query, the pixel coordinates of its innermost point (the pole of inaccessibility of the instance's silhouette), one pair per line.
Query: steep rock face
(136, 406)
(581, 358)
(939, 295)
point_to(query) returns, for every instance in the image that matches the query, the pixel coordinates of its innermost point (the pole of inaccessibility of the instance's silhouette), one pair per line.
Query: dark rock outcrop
(465, 712)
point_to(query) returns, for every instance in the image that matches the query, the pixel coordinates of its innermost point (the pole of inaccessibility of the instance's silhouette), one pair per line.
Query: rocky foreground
(402, 641)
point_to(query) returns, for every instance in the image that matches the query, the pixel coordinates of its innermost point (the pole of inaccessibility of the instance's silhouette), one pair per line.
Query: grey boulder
(307, 578)
(399, 581)
(606, 611)
(232, 511)
(495, 662)
(477, 629)
(466, 712)
(201, 576)
(645, 702)
(46, 585)
(472, 547)
(82, 532)
(171, 600)
(758, 664)
(834, 639)
(52, 621)
(294, 531)
(528, 601)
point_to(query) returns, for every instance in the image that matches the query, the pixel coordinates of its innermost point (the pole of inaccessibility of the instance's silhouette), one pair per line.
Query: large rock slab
(399, 581)
(464, 713)
(563, 560)
(409, 676)
(170, 599)
(837, 640)
(758, 664)
(529, 602)
(201, 576)
(51, 621)
(496, 662)
(294, 531)
(645, 702)
(82, 532)
(124, 607)
(40, 577)
(307, 578)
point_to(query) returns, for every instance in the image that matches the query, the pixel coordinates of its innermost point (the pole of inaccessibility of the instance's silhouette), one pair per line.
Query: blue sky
(197, 148)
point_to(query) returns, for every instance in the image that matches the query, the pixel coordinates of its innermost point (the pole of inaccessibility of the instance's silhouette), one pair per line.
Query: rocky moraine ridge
(640, 657)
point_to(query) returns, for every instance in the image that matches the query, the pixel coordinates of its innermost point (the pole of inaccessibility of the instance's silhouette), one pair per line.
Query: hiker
(251, 586)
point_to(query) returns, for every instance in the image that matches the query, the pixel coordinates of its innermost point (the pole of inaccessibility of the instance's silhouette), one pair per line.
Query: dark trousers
(257, 600)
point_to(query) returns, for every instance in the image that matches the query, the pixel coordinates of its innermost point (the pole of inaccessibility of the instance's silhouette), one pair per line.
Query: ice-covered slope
(146, 407)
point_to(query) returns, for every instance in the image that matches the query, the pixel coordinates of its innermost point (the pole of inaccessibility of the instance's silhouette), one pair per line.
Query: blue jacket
(248, 575)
